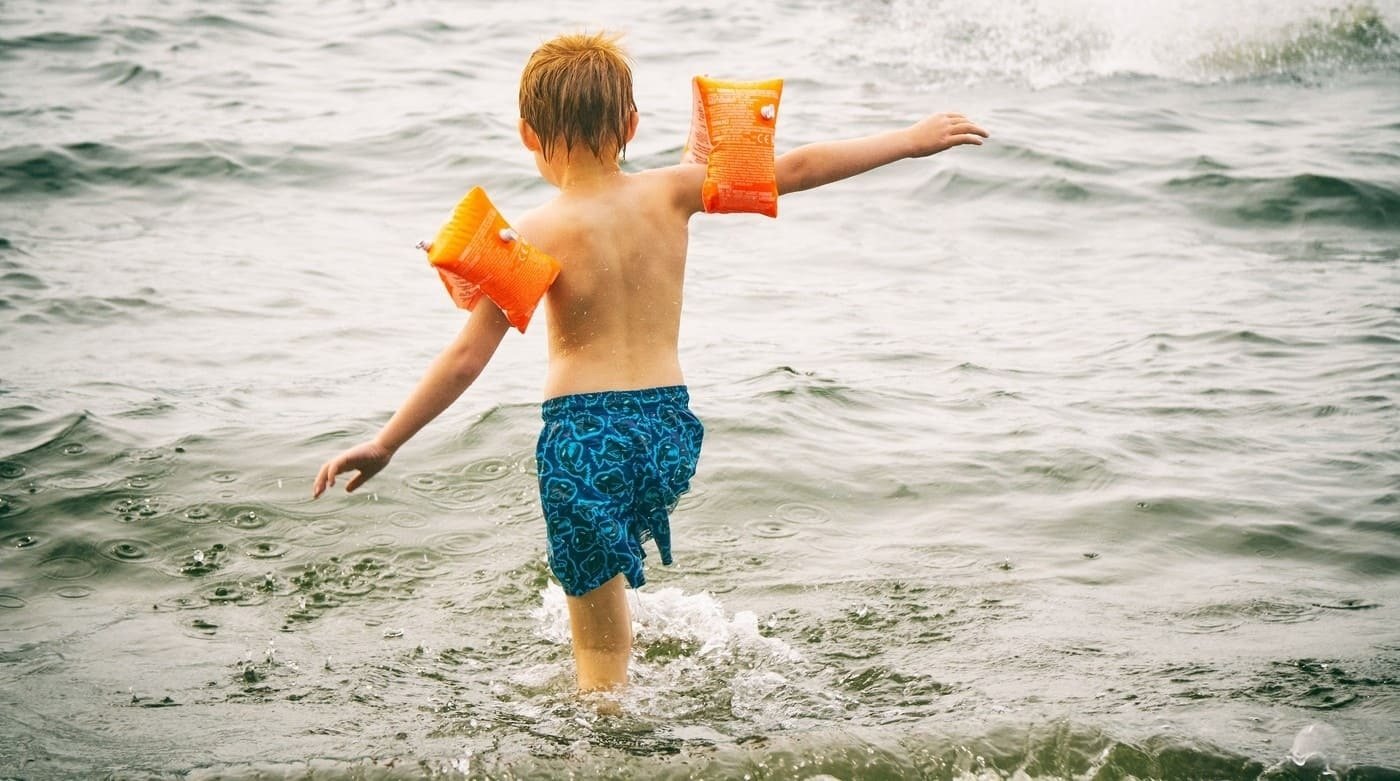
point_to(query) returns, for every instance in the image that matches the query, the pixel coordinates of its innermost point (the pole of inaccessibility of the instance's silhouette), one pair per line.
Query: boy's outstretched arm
(824, 162)
(449, 375)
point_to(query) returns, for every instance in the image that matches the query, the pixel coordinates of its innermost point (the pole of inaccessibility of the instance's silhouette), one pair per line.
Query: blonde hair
(578, 89)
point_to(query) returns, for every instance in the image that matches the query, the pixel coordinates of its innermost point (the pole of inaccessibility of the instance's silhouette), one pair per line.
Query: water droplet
(198, 556)
(74, 449)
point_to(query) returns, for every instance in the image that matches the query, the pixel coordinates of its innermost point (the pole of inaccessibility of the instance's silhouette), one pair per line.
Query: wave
(61, 170)
(1286, 200)
(48, 42)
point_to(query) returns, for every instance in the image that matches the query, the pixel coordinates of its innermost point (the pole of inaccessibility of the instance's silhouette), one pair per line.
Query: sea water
(1075, 455)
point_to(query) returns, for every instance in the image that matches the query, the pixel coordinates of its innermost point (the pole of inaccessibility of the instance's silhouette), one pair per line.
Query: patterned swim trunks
(612, 467)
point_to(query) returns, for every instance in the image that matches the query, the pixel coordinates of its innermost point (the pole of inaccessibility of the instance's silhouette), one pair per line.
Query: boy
(619, 444)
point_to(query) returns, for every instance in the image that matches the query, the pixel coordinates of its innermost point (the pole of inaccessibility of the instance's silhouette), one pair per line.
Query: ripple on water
(130, 551)
(715, 535)
(462, 543)
(421, 563)
(447, 492)
(706, 562)
(317, 533)
(12, 506)
(139, 482)
(67, 568)
(74, 592)
(180, 602)
(801, 513)
(82, 481)
(772, 529)
(195, 562)
(487, 469)
(225, 476)
(264, 548)
(198, 515)
(147, 455)
(11, 470)
(231, 592)
(249, 519)
(693, 500)
(943, 558)
(11, 602)
(1224, 617)
(407, 519)
(518, 504)
(381, 540)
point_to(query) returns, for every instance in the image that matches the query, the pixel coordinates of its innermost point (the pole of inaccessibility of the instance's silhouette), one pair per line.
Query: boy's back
(614, 311)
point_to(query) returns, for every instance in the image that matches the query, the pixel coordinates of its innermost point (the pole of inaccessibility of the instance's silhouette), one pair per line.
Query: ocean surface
(1075, 455)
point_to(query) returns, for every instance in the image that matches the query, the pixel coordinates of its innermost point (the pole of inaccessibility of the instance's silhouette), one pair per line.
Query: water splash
(670, 622)
(1317, 747)
(1044, 43)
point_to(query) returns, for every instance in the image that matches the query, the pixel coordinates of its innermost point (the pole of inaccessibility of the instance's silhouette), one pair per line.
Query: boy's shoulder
(679, 185)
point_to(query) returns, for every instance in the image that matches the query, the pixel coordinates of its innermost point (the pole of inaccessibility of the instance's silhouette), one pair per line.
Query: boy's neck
(583, 171)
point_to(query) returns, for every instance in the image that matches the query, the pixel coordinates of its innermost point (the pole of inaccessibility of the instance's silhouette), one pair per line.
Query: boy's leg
(602, 630)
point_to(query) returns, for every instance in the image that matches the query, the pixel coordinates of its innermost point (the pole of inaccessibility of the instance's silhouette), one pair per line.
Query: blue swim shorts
(612, 466)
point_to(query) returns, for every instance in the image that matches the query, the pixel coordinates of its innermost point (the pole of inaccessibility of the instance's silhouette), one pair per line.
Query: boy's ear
(632, 120)
(528, 137)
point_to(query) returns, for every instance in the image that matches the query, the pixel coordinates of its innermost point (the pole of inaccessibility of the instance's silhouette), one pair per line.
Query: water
(1074, 455)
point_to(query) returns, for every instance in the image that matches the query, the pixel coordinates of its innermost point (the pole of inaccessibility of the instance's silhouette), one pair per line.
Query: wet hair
(578, 89)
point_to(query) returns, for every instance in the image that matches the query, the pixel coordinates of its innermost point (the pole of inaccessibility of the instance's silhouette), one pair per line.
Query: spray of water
(1048, 42)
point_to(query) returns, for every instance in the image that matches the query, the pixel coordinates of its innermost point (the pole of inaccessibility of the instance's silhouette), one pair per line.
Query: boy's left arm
(824, 162)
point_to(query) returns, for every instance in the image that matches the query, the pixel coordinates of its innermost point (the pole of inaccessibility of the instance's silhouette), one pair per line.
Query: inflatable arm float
(478, 254)
(731, 133)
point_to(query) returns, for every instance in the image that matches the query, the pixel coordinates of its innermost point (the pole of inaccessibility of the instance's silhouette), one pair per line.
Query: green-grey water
(1076, 455)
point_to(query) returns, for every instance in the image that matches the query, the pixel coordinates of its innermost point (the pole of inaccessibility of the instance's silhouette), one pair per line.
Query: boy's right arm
(824, 162)
(449, 375)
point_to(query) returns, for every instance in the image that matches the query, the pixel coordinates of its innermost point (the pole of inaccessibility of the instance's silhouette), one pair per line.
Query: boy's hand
(936, 133)
(367, 457)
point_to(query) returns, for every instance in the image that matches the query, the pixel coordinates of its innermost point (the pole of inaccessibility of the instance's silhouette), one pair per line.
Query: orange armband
(478, 254)
(731, 132)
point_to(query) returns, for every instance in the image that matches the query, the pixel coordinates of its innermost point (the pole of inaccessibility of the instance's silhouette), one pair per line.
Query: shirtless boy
(619, 443)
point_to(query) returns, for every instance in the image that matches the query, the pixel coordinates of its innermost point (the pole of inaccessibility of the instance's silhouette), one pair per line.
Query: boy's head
(576, 90)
